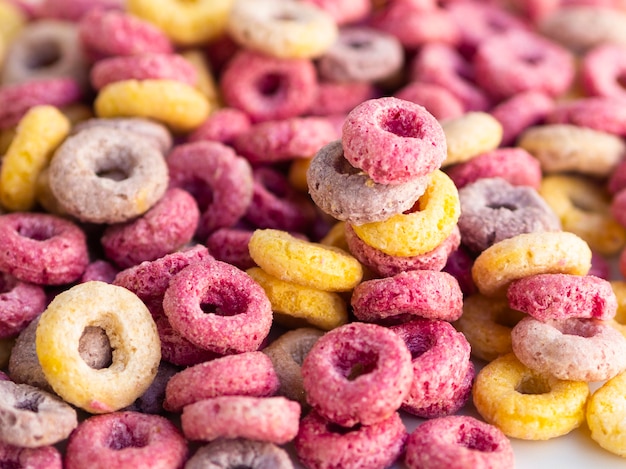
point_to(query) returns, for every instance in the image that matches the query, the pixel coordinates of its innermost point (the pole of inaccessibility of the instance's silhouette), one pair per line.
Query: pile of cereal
(310, 233)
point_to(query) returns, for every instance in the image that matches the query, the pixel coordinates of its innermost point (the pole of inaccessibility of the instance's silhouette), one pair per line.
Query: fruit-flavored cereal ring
(470, 135)
(493, 210)
(523, 403)
(561, 296)
(601, 69)
(17, 99)
(223, 125)
(568, 147)
(20, 303)
(605, 415)
(437, 100)
(459, 265)
(529, 254)
(128, 439)
(345, 11)
(458, 441)
(486, 324)
(287, 30)
(320, 444)
(295, 304)
(239, 452)
(442, 370)
(219, 179)
(38, 134)
(73, 10)
(242, 374)
(416, 293)
(272, 419)
(605, 114)
(144, 239)
(357, 373)
(361, 53)
(142, 67)
(132, 335)
(178, 105)
(585, 208)
(32, 418)
(241, 312)
(347, 193)
(337, 99)
(231, 245)
(13, 18)
(45, 457)
(287, 353)
(393, 140)
(431, 221)
(24, 364)
(570, 349)
(151, 401)
(42, 248)
(305, 263)
(119, 176)
(268, 88)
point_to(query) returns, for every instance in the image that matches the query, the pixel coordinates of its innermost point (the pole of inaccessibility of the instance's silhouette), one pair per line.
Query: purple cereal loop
(459, 265)
(45, 457)
(437, 99)
(100, 270)
(20, 303)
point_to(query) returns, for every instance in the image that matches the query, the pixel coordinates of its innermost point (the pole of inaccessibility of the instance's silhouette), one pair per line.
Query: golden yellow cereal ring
(412, 234)
(297, 173)
(525, 404)
(131, 331)
(606, 415)
(584, 208)
(336, 236)
(177, 105)
(486, 323)
(12, 20)
(185, 22)
(619, 321)
(38, 134)
(470, 135)
(6, 137)
(550, 252)
(206, 84)
(298, 306)
(305, 263)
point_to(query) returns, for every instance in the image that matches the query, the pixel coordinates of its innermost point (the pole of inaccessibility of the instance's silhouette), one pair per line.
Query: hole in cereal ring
(504, 205)
(419, 344)
(401, 123)
(621, 80)
(44, 55)
(533, 384)
(356, 363)
(476, 439)
(95, 348)
(270, 84)
(30, 402)
(211, 308)
(36, 232)
(532, 59)
(359, 44)
(332, 427)
(508, 317)
(115, 174)
(122, 437)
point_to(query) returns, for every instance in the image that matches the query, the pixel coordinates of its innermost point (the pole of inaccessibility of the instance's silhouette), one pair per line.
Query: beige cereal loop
(566, 147)
(606, 414)
(470, 135)
(132, 334)
(529, 254)
(305, 263)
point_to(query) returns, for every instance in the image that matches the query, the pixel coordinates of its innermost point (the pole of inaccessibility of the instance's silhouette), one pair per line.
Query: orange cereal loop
(553, 252)
(297, 173)
(186, 23)
(470, 135)
(584, 208)
(422, 230)
(303, 262)
(606, 413)
(206, 84)
(179, 106)
(525, 404)
(298, 306)
(38, 134)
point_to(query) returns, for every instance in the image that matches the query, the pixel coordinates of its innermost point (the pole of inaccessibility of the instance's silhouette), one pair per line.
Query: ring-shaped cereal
(136, 350)
(38, 134)
(525, 404)
(422, 230)
(20, 304)
(288, 30)
(44, 457)
(601, 70)
(104, 175)
(303, 262)
(605, 415)
(548, 252)
(584, 208)
(393, 140)
(176, 104)
(470, 135)
(185, 23)
(239, 452)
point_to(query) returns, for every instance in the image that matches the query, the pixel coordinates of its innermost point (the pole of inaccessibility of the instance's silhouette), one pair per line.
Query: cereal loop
(239, 452)
(132, 336)
(470, 135)
(605, 415)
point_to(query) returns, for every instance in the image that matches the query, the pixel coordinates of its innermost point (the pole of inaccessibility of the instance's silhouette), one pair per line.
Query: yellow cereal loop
(12, 20)
(297, 173)
(298, 306)
(38, 133)
(619, 321)
(336, 236)
(186, 22)
(525, 404)
(584, 208)
(179, 106)
(303, 262)
(206, 84)
(554, 252)
(470, 135)
(6, 137)
(131, 331)
(606, 415)
(420, 231)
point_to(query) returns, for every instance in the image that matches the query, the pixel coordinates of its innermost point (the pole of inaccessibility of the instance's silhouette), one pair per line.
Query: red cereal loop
(601, 70)
(231, 245)
(223, 125)
(357, 373)
(268, 88)
(126, 439)
(239, 313)
(20, 303)
(45, 457)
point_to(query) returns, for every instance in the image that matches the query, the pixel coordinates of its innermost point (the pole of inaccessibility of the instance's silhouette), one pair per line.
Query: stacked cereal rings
(319, 233)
